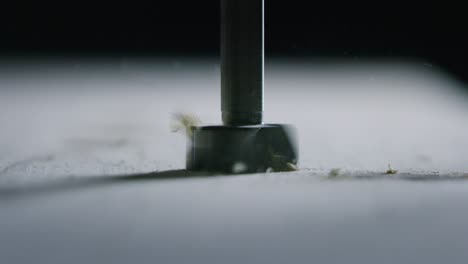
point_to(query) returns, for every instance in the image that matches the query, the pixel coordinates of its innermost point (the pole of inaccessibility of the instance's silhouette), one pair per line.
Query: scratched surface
(90, 171)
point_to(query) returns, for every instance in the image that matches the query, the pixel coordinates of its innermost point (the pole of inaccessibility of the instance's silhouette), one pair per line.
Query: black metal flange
(243, 149)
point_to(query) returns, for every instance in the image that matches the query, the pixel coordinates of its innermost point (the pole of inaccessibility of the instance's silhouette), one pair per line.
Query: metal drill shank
(242, 61)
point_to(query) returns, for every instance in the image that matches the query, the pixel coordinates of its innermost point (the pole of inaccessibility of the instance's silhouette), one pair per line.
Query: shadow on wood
(28, 190)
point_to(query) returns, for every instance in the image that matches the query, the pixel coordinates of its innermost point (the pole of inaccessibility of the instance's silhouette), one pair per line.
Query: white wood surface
(71, 130)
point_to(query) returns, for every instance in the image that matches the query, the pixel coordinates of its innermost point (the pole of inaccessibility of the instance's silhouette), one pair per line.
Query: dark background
(434, 33)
